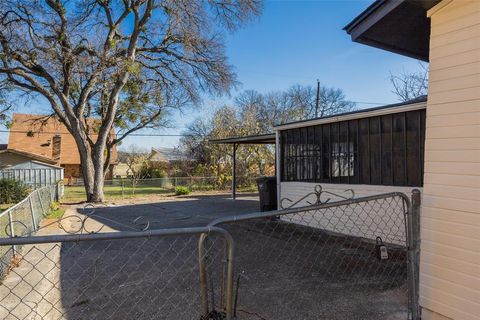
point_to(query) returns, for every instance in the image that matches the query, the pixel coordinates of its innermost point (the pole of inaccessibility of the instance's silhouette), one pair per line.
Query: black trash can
(267, 190)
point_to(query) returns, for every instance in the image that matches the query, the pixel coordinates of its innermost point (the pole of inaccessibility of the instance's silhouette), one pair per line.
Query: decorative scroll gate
(323, 261)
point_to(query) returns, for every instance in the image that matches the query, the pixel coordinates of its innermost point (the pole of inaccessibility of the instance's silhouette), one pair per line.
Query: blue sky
(297, 42)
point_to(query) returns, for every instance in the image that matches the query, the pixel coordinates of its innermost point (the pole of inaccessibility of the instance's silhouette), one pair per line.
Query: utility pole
(317, 102)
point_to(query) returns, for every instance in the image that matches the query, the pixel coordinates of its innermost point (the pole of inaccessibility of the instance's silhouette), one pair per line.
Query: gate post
(41, 202)
(34, 221)
(202, 266)
(414, 253)
(12, 229)
(202, 259)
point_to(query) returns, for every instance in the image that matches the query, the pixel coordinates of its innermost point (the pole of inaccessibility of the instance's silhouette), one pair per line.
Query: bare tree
(332, 101)
(410, 85)
(254, 113)
(123, 62)
(135, 159)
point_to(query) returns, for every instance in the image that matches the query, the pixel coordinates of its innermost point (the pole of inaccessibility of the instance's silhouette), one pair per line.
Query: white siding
(375, 219)
(450, 257)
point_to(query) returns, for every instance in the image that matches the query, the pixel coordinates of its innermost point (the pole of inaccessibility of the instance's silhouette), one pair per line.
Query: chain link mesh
(23, 219)
(323, 264)
(319, 262)
(142, 278)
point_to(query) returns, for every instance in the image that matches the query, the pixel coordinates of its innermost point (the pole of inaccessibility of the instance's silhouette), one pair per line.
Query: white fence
(35, 177)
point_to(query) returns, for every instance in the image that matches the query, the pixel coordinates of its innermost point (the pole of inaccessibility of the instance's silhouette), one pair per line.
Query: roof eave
(360, 114)
(256, 139)
(399, 26)
(30, 155)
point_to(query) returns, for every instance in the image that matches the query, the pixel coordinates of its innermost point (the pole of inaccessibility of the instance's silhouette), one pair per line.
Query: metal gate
(356, 258)
(151, 274)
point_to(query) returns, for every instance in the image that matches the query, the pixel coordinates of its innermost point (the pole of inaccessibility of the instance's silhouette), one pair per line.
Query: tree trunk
(92, 169)
(99, 174)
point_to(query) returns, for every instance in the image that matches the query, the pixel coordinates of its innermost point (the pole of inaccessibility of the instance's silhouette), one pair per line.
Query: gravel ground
(287, 271)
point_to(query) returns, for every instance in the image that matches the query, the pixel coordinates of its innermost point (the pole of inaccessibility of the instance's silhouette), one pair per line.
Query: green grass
(77, 193)
(112, 192)
(55, 213)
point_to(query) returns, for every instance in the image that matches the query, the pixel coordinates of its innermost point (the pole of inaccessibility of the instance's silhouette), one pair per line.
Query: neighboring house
(165, 155)
(29, 168)
(47, 137)
(121, 170)
(447, 35)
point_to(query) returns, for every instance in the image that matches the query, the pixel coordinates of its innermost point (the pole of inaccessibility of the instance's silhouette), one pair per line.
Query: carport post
(234, 172)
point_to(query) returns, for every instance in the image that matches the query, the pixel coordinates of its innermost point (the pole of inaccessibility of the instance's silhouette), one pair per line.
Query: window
(342, 159)
(382, 150)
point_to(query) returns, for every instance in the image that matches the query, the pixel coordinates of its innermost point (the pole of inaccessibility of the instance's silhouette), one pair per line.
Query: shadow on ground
(147, 278)
(287, 271)
(177, 212)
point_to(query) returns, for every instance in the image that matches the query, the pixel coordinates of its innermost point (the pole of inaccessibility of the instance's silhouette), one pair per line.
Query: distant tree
(332, 101)
(255, 113)
(410, 85)
(124, 62)
(136, 160)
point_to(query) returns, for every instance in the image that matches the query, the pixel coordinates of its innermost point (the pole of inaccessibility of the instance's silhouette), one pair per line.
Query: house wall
(358, 221)
(450, 216)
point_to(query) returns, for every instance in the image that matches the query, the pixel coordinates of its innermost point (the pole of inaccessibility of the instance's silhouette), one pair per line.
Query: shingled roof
(34, 134)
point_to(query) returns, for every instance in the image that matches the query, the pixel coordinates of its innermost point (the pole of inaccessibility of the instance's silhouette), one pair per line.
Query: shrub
(181, 190)
(12, 191)
(55, 211)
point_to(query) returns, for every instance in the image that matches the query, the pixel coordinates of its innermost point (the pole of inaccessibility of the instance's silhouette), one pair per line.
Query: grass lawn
(77, 193)
(55, 213)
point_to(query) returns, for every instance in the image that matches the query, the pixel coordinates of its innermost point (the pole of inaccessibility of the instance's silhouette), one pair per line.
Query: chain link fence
(123, 275)
(130, 188)
(345, 259)
(353, 258)
(24, 219)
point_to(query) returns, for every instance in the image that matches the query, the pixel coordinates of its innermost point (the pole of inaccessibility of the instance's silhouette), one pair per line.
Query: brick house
(48, 137)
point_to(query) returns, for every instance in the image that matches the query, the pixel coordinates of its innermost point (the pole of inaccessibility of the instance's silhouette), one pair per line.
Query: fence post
(34, 221)
(12, 230)
(57, 192)
(414, 253)
(123, 188)
(41, 202)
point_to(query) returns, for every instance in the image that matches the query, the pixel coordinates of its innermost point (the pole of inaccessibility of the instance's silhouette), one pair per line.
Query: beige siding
(450, 258)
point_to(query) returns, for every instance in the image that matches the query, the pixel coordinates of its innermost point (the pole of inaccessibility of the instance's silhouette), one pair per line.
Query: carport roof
(256, 139)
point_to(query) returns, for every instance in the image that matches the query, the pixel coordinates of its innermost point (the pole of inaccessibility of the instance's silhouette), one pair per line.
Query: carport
(235, 142)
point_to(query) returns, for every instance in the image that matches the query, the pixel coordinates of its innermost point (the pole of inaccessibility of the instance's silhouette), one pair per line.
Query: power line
(93, 134)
